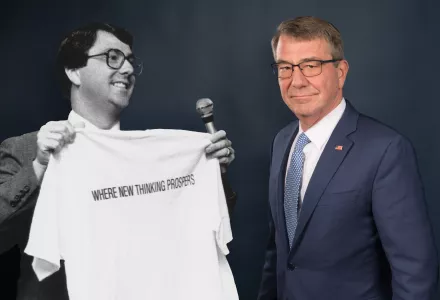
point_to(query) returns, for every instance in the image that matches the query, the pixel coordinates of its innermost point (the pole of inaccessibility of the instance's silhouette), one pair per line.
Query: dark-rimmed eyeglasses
(308, 68)
(115, 59)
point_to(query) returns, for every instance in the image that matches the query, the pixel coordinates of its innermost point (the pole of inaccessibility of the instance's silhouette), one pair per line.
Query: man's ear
(73, 75)
(342, 72)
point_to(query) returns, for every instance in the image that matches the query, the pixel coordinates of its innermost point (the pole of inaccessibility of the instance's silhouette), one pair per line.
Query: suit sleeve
(402, 221)
(17, 178)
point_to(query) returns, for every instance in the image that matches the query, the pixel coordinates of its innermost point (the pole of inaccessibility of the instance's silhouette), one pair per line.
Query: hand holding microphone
(220, 147)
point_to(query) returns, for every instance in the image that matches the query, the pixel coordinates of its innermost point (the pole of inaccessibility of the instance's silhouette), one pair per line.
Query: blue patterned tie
(293, 185)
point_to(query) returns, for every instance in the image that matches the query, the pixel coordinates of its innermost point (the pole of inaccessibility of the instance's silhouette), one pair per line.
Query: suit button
(17, 197)
(14, 203)
(26, 188)
(291, 266)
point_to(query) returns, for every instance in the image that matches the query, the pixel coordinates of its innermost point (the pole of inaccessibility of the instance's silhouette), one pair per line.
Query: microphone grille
(205, 107)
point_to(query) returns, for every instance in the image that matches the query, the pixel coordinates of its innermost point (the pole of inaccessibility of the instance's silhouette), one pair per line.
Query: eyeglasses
(116, 58)
(309, 68)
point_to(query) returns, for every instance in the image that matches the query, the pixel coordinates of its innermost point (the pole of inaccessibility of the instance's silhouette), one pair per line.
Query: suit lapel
(331, 158)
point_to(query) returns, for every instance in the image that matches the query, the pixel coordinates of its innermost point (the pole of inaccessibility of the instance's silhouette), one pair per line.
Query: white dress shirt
(318, 134)
(75, 118)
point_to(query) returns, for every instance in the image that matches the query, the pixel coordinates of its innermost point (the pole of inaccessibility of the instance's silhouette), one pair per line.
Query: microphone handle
(211, 129)
(229, 193)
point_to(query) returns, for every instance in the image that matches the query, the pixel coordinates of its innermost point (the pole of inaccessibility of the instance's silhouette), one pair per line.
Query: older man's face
(310, 98)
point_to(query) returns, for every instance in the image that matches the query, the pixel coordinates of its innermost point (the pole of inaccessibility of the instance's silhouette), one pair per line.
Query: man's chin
(303, 109)
(121, 103)
(306, 113)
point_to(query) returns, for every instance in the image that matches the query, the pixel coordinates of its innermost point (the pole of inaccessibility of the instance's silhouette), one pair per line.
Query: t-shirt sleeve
(43, 243)
(224, 232)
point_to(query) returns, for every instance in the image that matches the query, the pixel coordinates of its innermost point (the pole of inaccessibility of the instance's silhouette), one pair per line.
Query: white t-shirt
(135, 215)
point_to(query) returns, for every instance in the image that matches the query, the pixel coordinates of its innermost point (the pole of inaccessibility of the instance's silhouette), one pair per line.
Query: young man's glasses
(116, 58)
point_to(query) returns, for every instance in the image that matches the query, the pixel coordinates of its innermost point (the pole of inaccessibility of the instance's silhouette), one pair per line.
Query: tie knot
(302, 141)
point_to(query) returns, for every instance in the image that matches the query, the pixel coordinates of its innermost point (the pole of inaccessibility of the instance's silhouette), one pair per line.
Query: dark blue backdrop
(221, 50)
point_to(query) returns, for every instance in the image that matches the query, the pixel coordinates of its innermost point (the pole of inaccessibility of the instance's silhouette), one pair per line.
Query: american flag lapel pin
(339, 148)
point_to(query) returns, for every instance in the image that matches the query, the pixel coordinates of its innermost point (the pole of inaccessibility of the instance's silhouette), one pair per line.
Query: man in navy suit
(348, 218)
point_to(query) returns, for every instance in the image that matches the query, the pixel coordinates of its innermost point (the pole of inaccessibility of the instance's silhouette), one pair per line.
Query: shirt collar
(75, 118)
(319, 133)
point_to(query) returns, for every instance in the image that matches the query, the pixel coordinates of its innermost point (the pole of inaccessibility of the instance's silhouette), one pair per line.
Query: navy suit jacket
(363, 230)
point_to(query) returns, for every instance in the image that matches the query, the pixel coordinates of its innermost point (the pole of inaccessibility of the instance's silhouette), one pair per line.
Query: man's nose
(126, 68)
(298, 79)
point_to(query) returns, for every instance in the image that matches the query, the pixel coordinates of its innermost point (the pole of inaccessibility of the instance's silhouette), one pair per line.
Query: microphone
(205, 108)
